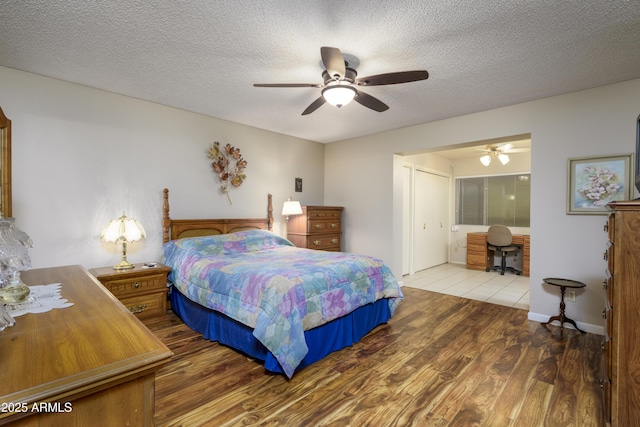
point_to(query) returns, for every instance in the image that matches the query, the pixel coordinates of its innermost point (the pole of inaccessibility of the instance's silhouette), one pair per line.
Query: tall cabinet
(622, 313)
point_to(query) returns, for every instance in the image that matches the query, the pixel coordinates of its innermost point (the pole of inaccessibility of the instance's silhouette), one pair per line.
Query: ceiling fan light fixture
(504, 159)
(485, 160)
(338, 95)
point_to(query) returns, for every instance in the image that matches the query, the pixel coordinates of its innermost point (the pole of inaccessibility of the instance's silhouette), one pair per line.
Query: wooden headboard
(180, 228)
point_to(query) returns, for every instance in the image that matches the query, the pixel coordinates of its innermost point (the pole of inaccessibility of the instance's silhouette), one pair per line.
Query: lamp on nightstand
(123, 230)
(291, 207)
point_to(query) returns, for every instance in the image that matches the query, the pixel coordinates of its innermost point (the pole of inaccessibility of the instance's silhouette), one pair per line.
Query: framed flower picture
(596, 181)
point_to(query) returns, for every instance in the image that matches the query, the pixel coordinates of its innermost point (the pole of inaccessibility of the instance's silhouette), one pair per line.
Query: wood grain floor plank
(441, 361)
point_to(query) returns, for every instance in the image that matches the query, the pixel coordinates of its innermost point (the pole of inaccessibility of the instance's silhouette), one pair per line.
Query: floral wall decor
(228, 165)
(596, 181)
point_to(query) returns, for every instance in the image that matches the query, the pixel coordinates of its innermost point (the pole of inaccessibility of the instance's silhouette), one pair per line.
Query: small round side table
(563, 284)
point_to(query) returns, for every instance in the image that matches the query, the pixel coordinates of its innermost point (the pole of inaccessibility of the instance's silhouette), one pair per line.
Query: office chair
(499, 240)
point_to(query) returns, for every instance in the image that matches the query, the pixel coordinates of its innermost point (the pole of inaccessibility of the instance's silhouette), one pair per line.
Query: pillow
(224, 244)
(257, 240)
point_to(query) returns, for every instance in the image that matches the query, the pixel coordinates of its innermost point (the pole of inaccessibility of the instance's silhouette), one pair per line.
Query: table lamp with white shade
(123, 230)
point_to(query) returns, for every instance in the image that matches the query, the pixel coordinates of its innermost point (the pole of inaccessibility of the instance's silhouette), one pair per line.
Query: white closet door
(431, 225)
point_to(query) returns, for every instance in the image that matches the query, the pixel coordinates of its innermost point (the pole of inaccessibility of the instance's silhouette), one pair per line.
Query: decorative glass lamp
(123, 230)
(14, 258)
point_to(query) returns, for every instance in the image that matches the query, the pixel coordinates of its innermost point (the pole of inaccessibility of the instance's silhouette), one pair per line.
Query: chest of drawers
(318, 227)
(621, 382)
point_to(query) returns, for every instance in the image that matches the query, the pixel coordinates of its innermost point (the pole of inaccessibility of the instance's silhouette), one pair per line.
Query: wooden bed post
(166, 220)
(269, 212)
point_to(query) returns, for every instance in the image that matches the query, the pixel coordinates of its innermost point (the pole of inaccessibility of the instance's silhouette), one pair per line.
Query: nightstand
(143, 290)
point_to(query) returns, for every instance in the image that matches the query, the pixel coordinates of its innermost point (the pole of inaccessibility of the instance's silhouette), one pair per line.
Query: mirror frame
(5, 166)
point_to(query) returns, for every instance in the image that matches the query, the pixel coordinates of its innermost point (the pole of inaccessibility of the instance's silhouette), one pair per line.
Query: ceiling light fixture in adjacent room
(486, 159)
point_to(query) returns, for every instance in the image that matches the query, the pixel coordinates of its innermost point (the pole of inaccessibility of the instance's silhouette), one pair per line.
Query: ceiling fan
(340, 82)
(499, 152)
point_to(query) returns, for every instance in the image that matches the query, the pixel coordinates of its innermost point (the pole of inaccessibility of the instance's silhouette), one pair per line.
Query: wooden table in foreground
(93, 363)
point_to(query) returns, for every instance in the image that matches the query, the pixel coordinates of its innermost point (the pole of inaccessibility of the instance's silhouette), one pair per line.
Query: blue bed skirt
(321, 341)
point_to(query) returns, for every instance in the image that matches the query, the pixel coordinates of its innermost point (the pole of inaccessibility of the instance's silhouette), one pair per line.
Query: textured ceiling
(203, 56)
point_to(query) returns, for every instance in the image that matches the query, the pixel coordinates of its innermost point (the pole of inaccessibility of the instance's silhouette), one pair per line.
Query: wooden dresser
(92, 363)
(480, 258)
(621, 382)
(319, 227)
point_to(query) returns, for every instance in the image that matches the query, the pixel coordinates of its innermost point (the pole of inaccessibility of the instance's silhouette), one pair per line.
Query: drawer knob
(137, 308)
(334, 225)
(605, 256)
(318, 226)
(317, 242)
(334, 241)
(136, 285)
(604, 285)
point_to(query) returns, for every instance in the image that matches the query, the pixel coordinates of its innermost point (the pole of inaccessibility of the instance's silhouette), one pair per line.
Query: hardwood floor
(441, 361)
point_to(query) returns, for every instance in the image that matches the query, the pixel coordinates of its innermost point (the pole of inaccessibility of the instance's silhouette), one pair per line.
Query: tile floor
(454, 279)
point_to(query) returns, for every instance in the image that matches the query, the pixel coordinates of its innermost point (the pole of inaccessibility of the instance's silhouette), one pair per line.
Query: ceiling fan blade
(393, 78)
(333, 61)
(286, 85)
(370, 102)
(314, 106)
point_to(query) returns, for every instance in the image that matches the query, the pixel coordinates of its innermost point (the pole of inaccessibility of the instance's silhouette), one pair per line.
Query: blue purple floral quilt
(266, 283)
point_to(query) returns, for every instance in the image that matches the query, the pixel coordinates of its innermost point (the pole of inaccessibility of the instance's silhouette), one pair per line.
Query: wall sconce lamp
(123, 230)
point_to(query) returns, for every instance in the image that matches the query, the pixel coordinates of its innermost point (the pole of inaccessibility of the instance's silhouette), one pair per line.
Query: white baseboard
(587, 327)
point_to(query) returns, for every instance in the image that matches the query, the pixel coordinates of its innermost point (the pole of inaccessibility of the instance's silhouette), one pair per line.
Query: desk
(92, 363)
(480, 258)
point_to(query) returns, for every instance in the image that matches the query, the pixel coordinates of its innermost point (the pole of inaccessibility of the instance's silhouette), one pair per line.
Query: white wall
(600, 121)
(81, 156)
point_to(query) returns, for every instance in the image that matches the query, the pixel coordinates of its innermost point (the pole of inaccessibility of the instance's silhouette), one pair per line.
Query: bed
(237, 283)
